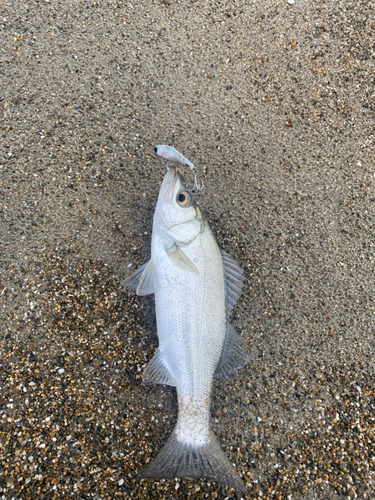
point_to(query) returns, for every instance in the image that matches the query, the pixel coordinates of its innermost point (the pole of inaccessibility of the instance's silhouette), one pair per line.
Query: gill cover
(177, 217)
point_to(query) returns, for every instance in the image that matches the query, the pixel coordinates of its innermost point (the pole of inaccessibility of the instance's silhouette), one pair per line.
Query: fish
(170, 154)
(196, 285)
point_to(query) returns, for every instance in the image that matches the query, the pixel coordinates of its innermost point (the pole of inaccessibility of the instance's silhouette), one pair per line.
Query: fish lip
(170, 183)
(156, 150)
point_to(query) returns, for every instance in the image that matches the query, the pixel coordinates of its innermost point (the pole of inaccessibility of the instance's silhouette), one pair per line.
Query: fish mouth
(172, 184)
(172, 176)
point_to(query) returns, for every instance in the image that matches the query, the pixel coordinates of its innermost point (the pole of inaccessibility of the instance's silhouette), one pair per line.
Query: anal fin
(157, 373)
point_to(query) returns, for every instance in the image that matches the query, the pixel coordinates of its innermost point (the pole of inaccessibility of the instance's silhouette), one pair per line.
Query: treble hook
(196, 185)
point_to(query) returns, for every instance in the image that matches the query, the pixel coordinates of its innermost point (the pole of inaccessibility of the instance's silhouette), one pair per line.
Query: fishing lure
(169, 153)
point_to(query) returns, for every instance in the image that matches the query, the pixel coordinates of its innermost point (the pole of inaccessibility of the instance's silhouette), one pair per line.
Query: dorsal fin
(235, 354)
(233, 280)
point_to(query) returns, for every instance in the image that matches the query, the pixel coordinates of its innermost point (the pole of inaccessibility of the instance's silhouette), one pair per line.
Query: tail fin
(178, 459)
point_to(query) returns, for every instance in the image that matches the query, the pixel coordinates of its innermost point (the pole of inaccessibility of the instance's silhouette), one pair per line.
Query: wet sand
(274, 104)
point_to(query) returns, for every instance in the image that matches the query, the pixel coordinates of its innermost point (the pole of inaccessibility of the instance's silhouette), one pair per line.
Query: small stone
(121, 482)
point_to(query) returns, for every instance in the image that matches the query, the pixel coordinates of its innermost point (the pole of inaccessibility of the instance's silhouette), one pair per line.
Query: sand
(274, 104)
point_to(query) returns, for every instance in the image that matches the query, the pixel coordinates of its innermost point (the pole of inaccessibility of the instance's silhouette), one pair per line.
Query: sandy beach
(273, 102)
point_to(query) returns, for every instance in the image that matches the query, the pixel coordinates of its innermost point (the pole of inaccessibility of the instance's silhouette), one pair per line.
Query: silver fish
(196, 286)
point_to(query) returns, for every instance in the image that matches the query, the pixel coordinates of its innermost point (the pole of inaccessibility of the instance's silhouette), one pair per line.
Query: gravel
(273, 102)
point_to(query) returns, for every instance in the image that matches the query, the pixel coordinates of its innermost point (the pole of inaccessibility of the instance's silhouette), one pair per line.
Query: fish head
(177, 216)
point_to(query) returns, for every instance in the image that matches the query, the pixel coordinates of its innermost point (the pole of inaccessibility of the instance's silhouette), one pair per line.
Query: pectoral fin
(142, 280)
(180, 259)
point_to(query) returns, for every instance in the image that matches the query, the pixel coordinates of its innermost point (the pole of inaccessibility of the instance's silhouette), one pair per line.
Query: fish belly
(190, 314)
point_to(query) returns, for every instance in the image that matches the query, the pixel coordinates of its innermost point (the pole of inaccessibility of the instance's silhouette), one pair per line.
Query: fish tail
(179, 459)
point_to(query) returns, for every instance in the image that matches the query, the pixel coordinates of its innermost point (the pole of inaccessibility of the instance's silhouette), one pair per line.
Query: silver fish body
(195, 286)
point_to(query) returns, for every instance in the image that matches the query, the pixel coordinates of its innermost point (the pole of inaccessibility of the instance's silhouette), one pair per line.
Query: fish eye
(184, 198)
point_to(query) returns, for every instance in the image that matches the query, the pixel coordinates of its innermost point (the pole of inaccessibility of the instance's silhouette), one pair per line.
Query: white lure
(196, 286)
(169, 153)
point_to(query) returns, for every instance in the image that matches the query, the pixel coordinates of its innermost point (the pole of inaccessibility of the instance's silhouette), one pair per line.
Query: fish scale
(179, 308)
